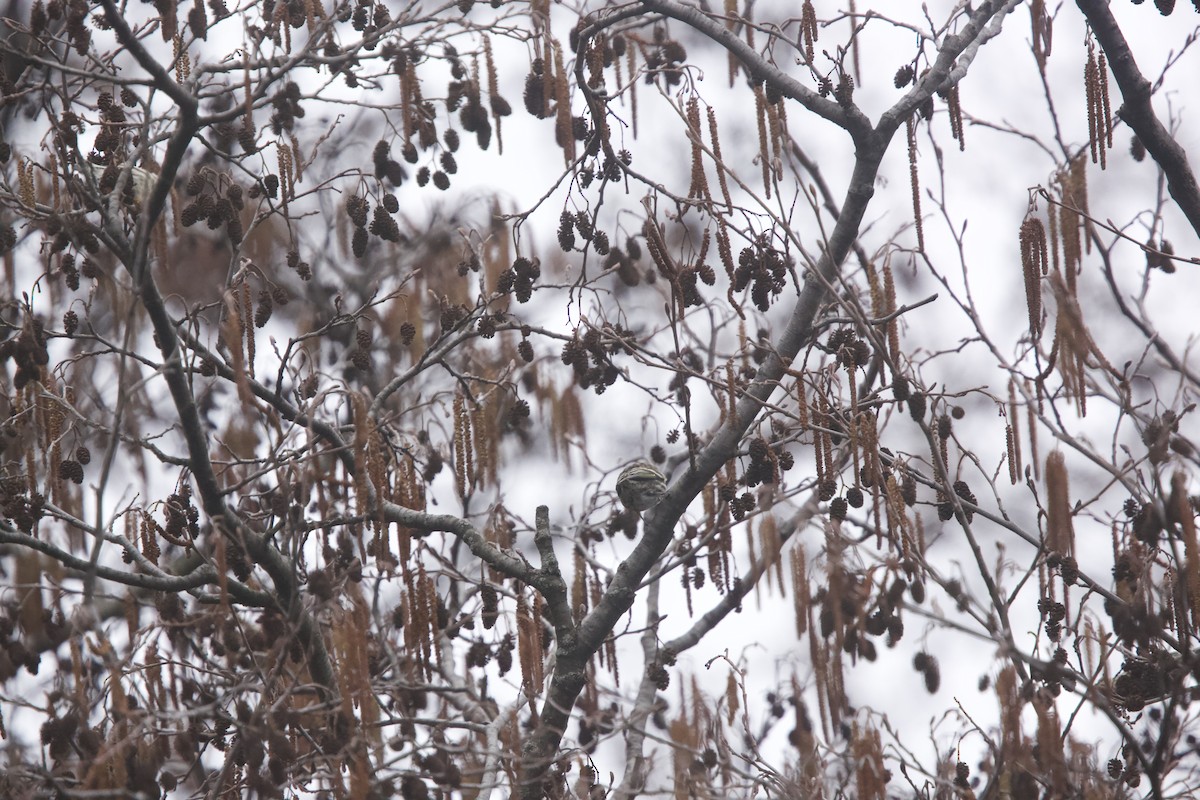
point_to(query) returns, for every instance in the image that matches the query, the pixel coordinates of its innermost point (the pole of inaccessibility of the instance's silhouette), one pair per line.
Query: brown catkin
(801, 403)
(911, 128)
(809, 30)
(1079, 194)
(725, 249)
(25, 181)
(1060, 529)
(764, 152)
(52, 168)
(493, 91)
(799, 590)
(1095, 81)
(775, 128)
(529, 654)
(893, 325)
(1011, 448)
(954, 111)
(286, 188)
(1090, 84)
(699, 183)
(248, 327)
(1069, 232)
(1031, 418)
(633, 104)
(563, 121)
(716, 146)
(1106, 106)
(1034, 253)
(463, 452)
(1014, 422)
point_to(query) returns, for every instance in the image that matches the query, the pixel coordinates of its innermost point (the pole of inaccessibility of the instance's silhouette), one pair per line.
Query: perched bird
(143, 180)
(640, 486)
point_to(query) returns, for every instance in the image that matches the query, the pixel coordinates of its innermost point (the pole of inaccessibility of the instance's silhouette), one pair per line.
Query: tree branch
(1138, 112)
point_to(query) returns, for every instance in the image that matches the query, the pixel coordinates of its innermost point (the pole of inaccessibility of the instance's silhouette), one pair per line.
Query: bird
(641, 486)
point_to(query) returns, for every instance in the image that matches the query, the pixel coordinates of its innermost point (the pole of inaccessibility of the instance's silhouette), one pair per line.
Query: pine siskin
(143, 180)
(640, 486)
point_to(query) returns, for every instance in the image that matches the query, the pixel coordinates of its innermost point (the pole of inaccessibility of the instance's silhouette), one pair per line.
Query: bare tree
(310, 479)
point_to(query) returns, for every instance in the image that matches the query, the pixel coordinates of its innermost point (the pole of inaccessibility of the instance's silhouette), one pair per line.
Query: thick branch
(871, 145)
(847, 117)
(164, 582)
(953, 58)
(732, 599)
(511, 565)
(136, 259)
(1138, 113)
(551, 583)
